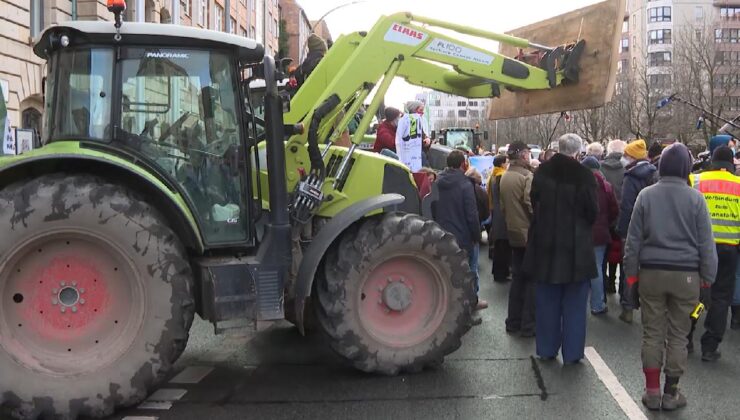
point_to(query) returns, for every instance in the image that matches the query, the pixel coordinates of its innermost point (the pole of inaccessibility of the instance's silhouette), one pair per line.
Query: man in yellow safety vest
(721, 189)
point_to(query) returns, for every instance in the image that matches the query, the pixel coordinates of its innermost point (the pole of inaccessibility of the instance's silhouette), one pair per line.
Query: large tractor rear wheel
(396, 294)
(95, 297)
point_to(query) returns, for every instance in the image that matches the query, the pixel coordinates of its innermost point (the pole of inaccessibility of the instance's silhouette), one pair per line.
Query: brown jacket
(516, 204)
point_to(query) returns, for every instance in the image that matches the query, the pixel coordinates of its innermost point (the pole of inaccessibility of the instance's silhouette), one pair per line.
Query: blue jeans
(736, 298)
(473, 262)
(597, 283)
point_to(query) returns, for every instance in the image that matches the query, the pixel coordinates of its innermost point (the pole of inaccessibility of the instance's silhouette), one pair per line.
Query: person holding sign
(412, 136)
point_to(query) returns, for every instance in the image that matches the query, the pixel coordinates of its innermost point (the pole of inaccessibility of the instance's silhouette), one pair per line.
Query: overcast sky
(492, 15)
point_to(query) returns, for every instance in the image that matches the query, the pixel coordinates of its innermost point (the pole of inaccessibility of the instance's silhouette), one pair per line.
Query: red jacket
(385, 138)
(608, 211)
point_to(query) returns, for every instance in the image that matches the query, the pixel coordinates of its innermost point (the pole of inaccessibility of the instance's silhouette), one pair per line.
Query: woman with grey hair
(560, 256)
(596, 150)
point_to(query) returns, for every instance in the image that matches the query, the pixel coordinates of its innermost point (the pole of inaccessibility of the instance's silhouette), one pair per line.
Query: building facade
(446, 110)
(297, 28)
(22, 20)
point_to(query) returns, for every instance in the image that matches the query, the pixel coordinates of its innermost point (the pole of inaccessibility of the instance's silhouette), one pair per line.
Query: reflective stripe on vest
(721, 190)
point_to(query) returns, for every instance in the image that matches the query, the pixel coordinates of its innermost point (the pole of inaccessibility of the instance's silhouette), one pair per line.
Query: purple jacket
(608, 211)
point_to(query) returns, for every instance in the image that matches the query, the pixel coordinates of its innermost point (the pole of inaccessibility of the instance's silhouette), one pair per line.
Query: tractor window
(459, 138)
(180, 108)
(83, 100)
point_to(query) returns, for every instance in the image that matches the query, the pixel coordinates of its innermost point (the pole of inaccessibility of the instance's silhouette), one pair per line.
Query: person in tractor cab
(412, 137)
(386, 136)
(316, 51)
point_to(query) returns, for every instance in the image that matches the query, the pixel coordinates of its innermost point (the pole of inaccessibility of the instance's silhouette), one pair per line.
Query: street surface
(280, 375)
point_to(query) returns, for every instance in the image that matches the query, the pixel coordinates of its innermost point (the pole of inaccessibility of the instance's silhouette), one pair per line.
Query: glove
(633, 291)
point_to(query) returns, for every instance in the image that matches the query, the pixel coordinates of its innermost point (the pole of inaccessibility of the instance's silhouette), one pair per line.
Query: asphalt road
(278, 374)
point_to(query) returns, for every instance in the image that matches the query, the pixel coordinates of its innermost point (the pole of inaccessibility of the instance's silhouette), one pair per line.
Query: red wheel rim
(72, 302)
(413, 317)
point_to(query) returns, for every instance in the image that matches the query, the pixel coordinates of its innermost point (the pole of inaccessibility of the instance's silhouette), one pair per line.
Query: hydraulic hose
(317, 161)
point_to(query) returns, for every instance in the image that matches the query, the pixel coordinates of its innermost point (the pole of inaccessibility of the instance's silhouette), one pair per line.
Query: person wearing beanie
(385, 138)
(720, 140)
(607, 215)
(499, 236)
(639, 174)
(412, 137)
(560, 256)
(669, 254)
(316, 52)
(721, 190)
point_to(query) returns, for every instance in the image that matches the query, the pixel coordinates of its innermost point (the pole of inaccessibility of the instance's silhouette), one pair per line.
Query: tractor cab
(167, 95)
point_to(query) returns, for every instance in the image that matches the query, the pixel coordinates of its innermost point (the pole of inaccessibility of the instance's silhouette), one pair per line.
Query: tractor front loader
(161, 191)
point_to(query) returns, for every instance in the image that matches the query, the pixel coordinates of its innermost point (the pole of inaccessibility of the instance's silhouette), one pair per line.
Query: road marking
(192, 375)
(155, 405)
(140, 418)
(620, 395)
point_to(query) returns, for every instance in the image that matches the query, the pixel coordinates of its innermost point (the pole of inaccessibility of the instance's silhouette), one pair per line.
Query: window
(659, 81)
(728, 35)
(634, 20)
(622, 65)
(659, 14)
(450, 114)
(625, 44)
(474, 113)
(729, 12)
(243, 31)
(634, 63)
(193, 103)
(660, 36)
(219, 19)
(233, 26)
(37, 17)
(731, 81)
(461, 103)
(698, 13)
(462, 113)
(186, 5)
(31, 118)
(728, 58)
(626, 25)
(203, 12)
(439, 113)
(473, 103)
(659, 59)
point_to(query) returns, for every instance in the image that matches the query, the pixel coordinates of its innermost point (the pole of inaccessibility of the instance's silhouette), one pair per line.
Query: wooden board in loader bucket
(600, 25)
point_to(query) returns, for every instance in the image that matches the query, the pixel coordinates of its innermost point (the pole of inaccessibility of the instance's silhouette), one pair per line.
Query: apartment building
(446, 110)
(22, 20)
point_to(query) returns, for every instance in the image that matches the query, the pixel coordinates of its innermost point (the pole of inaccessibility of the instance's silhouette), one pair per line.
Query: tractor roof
(154, 34)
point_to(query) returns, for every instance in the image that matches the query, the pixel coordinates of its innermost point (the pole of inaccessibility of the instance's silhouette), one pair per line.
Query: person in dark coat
(499, 237)
(639, 174)
(385, 138)
(613, 171)
(608, 212)
(316, 51)
(481, 199)
(456, 209)
(560, 256)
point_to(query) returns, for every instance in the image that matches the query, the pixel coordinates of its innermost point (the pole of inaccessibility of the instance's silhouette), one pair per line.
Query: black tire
(93, 213)
(350, 263)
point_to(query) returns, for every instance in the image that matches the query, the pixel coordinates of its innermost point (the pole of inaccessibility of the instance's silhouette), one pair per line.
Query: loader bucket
(600, 26)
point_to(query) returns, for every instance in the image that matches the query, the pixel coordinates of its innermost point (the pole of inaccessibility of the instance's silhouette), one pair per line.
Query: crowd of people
(563, 232)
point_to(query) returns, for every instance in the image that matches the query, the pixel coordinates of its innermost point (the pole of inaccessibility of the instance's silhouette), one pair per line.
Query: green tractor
(161, 191)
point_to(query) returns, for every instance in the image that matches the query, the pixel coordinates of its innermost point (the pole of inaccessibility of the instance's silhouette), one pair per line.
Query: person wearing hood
(669, 254)
(608, 212)
(500, 268)
(385, 138)
(516, 205)
(560, 256)
(316, 51)
(721, 190)
(639, 174)
(456, 209)
(613, 171)
(412, 137)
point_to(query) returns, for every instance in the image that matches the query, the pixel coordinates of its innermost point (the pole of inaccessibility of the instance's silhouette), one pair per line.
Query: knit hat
(717, 141)
(499, 161)
(723, 154)
(391, 113)
(675, 161)
(412, 106)
(636, 150)
(591, 163)
(315, 43)
(655, 150)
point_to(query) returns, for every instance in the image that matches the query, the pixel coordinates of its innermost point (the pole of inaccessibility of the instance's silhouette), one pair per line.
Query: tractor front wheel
(396, 294)
(95, 297)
